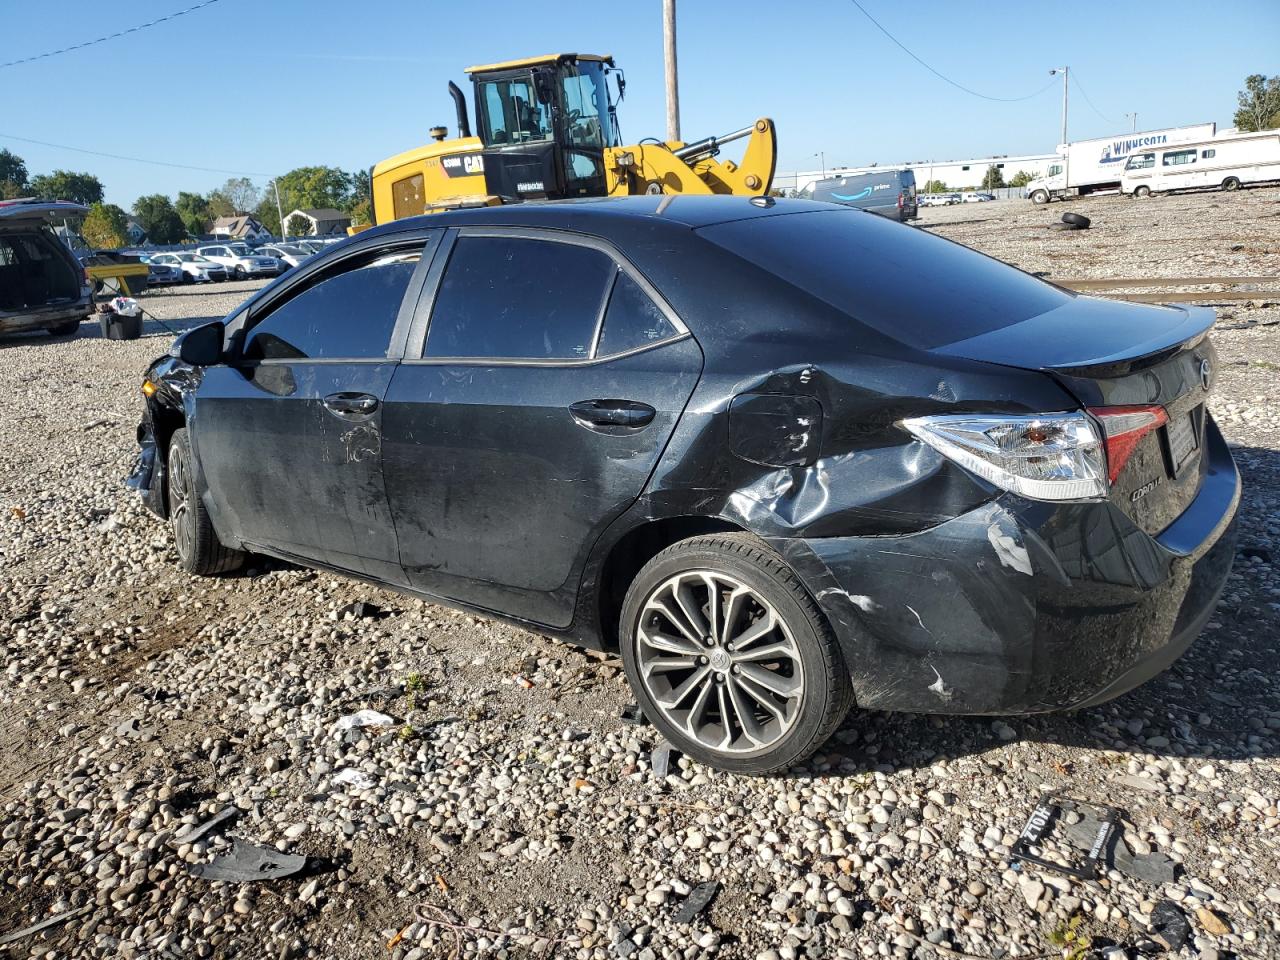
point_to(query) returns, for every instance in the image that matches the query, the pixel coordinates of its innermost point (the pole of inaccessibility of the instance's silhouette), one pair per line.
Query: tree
(1259, 104)
(160, 219)
(267, 213)
(935, 186)
(360, 189)
(361, 213)
(66, 185)
(309, 188)
(993, 179)
(194, 211)
(13, 175)
(105, 226)
(1021, 179)
(240, 195)
(297, 226)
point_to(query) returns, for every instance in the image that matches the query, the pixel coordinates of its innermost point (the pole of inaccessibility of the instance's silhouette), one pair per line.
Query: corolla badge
(1206, 374)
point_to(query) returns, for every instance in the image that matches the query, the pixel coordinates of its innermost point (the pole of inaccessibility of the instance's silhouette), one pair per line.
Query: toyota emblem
(1206, 374)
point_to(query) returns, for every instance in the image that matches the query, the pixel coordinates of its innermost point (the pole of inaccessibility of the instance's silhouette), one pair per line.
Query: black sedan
(786, 457)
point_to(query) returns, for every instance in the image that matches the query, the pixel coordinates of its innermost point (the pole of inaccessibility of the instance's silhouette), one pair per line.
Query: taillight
(900, 200)
(1123, 429)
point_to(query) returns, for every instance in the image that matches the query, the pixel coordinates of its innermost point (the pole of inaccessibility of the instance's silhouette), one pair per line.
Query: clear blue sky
(263, 86)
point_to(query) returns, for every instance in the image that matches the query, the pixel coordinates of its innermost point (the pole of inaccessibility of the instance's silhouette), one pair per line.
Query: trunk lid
(1110, 354)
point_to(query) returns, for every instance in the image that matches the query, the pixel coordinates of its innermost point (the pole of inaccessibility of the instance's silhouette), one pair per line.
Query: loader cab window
(588, 125)
(511, 112)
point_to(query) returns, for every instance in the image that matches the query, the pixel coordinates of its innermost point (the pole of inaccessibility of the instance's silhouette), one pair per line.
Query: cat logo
(463, 164)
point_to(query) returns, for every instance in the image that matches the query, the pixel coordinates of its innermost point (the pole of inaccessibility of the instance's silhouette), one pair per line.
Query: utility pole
(673, 83)
(284, 235)
(1133, 121)
(1064, 71)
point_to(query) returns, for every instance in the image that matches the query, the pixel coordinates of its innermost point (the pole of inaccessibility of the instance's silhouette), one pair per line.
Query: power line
(117, 156)
(110, 36)
(942, 76)
(1076, 80)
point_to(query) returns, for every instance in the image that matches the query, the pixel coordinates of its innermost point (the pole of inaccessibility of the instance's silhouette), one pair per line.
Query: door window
(512, 113)
(1141, 161)
(632, 321)
(348, 316)
(516, 298)
(1053, 170)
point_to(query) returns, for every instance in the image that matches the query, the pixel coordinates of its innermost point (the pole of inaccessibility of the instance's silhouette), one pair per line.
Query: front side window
(511, 112)
(349, 315)
(1178, 158)
(517, 298)
(1141, 161)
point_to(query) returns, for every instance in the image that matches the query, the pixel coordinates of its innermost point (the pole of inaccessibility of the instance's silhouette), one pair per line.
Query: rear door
(549, 382)
(289, 438)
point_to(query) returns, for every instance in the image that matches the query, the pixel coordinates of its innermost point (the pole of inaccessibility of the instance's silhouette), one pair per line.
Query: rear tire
(1231, 183)
(71, 327)
(1039, 197)
(198, 547)
(729, 656)
(1142, 192)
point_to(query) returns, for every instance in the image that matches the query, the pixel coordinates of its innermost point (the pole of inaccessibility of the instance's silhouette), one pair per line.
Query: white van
(1224, 162)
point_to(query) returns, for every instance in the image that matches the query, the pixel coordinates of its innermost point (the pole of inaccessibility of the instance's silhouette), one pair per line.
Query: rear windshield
(900, 280)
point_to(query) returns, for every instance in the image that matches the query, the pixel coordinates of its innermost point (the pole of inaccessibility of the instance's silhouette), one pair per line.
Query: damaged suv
(784, 456)
(42, 285)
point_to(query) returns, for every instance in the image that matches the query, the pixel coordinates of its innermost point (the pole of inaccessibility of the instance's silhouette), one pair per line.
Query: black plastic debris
(361, 610)
(1169, 925)
(699, 899)
(248, 862)
(660, 759)
(633, 715)
(1040, 826)
(1153, 868)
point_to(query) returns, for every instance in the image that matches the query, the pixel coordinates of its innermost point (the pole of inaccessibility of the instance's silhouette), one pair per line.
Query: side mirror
(202, 347)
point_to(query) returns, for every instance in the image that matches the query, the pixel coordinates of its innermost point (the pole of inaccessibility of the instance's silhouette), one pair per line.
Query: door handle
(350, 406)
(612, 413)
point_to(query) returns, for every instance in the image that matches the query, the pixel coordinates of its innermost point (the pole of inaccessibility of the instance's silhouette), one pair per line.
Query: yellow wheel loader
(547, 129)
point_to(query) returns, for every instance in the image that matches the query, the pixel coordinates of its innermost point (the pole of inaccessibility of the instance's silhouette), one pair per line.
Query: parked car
(937, 199)
(239, 262)
(42, 284)
(289, 253)
(972, 197)
(159, 273)
(723, 437)
(196, 269)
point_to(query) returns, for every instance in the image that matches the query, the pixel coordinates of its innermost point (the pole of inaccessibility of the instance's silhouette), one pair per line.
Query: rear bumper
(44, 319)
(1024, 607)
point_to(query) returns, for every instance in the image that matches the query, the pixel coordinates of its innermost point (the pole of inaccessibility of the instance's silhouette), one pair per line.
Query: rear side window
(347, 316)
(632, 320)
(1178, 157)
(519, 299)
(903, 282)
(1208, 154)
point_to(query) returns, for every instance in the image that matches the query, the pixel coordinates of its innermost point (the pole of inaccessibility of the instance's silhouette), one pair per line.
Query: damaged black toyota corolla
(786, 457)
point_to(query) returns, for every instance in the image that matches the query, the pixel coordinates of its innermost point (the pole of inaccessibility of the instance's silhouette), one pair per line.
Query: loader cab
(545, 124)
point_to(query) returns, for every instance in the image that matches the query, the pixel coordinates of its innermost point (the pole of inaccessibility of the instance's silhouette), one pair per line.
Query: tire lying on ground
(1077, 219)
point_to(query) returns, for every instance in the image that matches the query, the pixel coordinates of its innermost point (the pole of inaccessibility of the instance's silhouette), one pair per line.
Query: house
(135, 231)
(239, 228)
(316, 223)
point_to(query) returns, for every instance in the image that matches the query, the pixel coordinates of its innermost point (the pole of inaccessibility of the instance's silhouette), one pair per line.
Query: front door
(549, 384)
(289, 438)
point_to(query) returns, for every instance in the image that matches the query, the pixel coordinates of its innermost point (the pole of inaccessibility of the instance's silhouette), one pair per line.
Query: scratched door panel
(285, 472)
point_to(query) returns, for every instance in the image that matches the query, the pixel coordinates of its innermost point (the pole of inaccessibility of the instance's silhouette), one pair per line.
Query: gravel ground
(504, 809)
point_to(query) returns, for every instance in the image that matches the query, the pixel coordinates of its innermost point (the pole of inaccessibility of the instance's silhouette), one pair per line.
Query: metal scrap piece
(699, 899)
(248, 862)
(16, 935)
(198, 830)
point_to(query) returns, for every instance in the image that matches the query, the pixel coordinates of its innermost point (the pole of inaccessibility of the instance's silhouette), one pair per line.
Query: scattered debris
(699, 899)
(660, 759)
(199, 830)
(45, 924)
(360, 610)
(134, 729)
(1047, 812)
(633, 715)
(1212, 923)
(248, 862)
(354, 778)
(1153, 868)
(1169, 926)
(17, 513)
(364, 718)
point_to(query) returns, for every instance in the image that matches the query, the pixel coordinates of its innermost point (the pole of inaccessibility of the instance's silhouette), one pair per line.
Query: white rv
(1227, 163)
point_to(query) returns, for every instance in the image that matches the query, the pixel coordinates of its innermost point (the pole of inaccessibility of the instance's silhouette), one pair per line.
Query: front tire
(199, 549)
(1039, 197)
(730, 657)
(240, 274)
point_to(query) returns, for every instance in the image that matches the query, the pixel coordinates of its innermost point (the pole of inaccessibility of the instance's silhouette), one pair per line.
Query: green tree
(268, 215)
(993, 179)
(308, 188)
(1259, 104)
(157, 214)
(66, 185)
(935, 186)
(359, 189)
(297, 226)
(361, 213)
(241, 196)
(105, 226)
(193, 209)
(1021, 179)
(13, 175)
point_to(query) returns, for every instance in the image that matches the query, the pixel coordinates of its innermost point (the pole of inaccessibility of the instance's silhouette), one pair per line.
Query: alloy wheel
(719, 662)
(180, 514)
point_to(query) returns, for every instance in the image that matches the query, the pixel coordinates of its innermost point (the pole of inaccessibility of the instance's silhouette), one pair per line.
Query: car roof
(609, 215)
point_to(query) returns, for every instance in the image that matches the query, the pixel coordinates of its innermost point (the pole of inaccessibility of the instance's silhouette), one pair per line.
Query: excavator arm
(693, 168)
